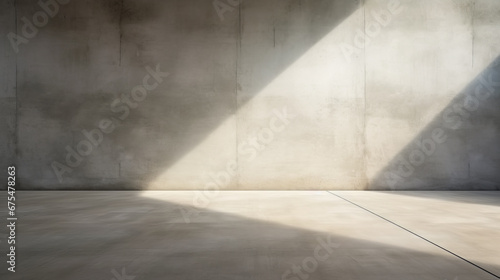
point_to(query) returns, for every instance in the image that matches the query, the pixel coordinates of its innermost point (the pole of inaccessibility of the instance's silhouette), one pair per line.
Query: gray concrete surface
(462, 222)
(255, 235)
(364, 83)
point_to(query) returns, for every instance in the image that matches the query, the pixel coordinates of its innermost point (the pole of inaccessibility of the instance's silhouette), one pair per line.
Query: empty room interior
(250, 139)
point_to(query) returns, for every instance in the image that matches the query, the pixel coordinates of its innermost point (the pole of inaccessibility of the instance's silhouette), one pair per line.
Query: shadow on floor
(87, 235)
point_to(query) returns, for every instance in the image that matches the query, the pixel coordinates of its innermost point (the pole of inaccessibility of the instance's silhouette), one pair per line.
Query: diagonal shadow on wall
(458, 149)
(98, 52)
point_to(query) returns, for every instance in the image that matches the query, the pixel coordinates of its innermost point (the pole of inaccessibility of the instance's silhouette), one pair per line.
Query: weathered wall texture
(262, 94)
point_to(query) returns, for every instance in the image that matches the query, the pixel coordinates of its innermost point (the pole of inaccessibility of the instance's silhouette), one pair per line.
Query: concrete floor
(256, 235)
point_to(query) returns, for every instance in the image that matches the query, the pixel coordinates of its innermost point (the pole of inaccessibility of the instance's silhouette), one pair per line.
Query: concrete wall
(262, 94)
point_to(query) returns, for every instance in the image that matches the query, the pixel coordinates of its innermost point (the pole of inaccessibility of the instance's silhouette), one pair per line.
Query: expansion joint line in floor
(415, 234)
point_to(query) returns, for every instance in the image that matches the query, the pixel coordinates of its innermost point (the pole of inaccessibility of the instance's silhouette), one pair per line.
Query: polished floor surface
(255, 235)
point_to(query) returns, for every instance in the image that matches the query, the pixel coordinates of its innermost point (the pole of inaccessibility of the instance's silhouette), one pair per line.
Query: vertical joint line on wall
(16, 129)
(472, 32)
(274, 36)
(121, 33)
(238, 49)
(364, 98)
